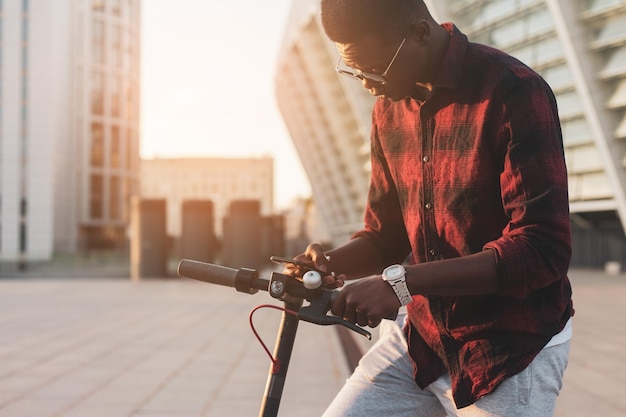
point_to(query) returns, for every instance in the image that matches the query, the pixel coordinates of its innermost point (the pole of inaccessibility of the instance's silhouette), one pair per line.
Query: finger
(316, 253)
(332, 281)
(349, 314)
(362, 318)
(373, 320)
(293, 270)
(304, 258)
(290, 270)
(340, 280)
(298, 270)
(338, 304)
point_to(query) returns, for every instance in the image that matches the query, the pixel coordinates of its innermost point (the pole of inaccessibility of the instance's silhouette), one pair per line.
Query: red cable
(275, 363)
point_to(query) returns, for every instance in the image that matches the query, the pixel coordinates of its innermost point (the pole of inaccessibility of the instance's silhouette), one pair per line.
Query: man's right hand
(314, 255)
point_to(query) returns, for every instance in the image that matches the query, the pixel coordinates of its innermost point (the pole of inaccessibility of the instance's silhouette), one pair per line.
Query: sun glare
(208, 85)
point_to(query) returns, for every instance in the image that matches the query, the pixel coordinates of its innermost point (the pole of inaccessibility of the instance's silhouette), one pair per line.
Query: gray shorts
(383, 385)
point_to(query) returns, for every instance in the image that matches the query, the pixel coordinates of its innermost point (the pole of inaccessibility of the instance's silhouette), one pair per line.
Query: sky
(207, 85)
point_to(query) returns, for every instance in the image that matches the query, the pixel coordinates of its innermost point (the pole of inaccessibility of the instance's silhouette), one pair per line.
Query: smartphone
(305, 266)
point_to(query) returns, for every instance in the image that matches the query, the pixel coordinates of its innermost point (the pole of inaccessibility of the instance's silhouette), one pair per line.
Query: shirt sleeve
(535, 248)
(384, 224)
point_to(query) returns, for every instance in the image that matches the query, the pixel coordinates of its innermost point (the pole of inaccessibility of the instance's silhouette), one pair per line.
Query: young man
(469, 184)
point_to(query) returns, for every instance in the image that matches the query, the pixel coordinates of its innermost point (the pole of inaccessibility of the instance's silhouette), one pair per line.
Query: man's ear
(421, 31)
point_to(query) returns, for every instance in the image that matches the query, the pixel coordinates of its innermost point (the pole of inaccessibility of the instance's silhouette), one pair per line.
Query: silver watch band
(402, 292)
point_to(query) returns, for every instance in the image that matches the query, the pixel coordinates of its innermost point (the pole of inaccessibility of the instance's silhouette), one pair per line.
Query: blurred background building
(579, 47)
(234, 195)
(69, 125)
(220, 180)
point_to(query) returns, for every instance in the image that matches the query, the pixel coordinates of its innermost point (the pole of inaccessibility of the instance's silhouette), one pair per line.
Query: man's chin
(396, 98)
(391, 97)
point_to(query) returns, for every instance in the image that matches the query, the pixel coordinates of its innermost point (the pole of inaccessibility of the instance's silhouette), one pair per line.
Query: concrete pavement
(595, 379)
(178, 348)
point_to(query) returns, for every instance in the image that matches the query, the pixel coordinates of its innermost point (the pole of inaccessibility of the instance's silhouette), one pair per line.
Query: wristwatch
(394, 275)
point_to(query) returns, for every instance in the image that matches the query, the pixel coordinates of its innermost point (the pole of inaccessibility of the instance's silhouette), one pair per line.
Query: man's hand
(366, 301)
(314, 256)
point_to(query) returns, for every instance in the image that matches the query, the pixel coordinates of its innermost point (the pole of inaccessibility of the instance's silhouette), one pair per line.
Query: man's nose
(368, 84)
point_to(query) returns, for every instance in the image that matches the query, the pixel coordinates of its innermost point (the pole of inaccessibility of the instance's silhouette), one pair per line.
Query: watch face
(395, 271)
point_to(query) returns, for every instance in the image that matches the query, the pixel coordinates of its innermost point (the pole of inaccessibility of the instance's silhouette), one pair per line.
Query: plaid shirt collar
(450, 71)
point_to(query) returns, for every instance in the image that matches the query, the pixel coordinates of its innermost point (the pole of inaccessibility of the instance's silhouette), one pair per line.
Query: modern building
(328, 118)
(220, 180)
(578, 46)
(69, 125)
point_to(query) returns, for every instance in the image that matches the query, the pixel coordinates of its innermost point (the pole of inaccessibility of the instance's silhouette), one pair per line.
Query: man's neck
(440, 40)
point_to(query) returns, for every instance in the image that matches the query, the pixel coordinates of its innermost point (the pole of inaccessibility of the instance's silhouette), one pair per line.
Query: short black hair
(347, 21)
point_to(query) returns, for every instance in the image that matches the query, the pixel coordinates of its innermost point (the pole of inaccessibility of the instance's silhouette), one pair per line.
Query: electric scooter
(293, 292)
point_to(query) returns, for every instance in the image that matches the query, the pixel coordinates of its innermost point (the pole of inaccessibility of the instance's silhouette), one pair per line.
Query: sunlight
(208, 85)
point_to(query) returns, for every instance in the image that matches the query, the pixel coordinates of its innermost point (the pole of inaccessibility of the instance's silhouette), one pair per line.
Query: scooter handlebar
(243, 280)
(248, 281)
(211, 273)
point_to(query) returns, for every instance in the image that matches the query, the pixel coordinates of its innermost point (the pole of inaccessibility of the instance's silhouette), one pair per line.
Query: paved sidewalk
(179, 348)
(595, 379)
(176, 348)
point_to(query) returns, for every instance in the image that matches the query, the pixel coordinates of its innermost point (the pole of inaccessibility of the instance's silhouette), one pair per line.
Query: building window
(558, 77)
(576, 132)
(97, 93)
(126, 8)
(569, 105)
(601, 4)
(115, 96)
(618, 98)
(115, 147)
(116, 46)
(115, 7)
(128, 50)
(98, 41)
(539, 22)
(23, 237)
(97, 145)
(114, 198)
(96, 190)
(130, 149)
(97, 5)
(498, 9)
(127, 196)
(548, 49)
(616, 63)
(128, 101)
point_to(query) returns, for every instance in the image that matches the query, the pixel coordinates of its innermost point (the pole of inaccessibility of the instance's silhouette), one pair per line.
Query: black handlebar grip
(202, 271)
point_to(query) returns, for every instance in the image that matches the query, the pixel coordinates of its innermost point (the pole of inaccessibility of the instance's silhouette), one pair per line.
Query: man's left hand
(366, 301)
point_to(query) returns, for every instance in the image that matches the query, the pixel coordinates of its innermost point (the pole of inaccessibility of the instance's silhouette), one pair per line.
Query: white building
(328, 119)
(579, 47)
(69, 119)
(220, 180)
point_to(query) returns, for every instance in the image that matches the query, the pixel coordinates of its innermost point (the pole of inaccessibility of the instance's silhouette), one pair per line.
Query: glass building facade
(69, 125)
(108, 60)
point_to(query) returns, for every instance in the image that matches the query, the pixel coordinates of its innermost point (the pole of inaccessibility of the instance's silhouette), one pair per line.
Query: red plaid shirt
(478, 165)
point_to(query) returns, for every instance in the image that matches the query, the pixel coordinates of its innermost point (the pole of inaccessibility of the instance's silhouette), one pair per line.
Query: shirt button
(426, 158)
(428, 205)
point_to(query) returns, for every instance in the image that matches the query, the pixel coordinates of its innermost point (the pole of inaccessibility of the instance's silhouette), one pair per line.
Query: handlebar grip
(211, 273)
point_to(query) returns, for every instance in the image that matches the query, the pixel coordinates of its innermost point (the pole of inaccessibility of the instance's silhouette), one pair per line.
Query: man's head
(385, 43)
(347, 21)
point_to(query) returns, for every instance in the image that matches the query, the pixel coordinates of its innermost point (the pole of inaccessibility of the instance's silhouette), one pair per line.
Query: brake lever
(316, 311)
